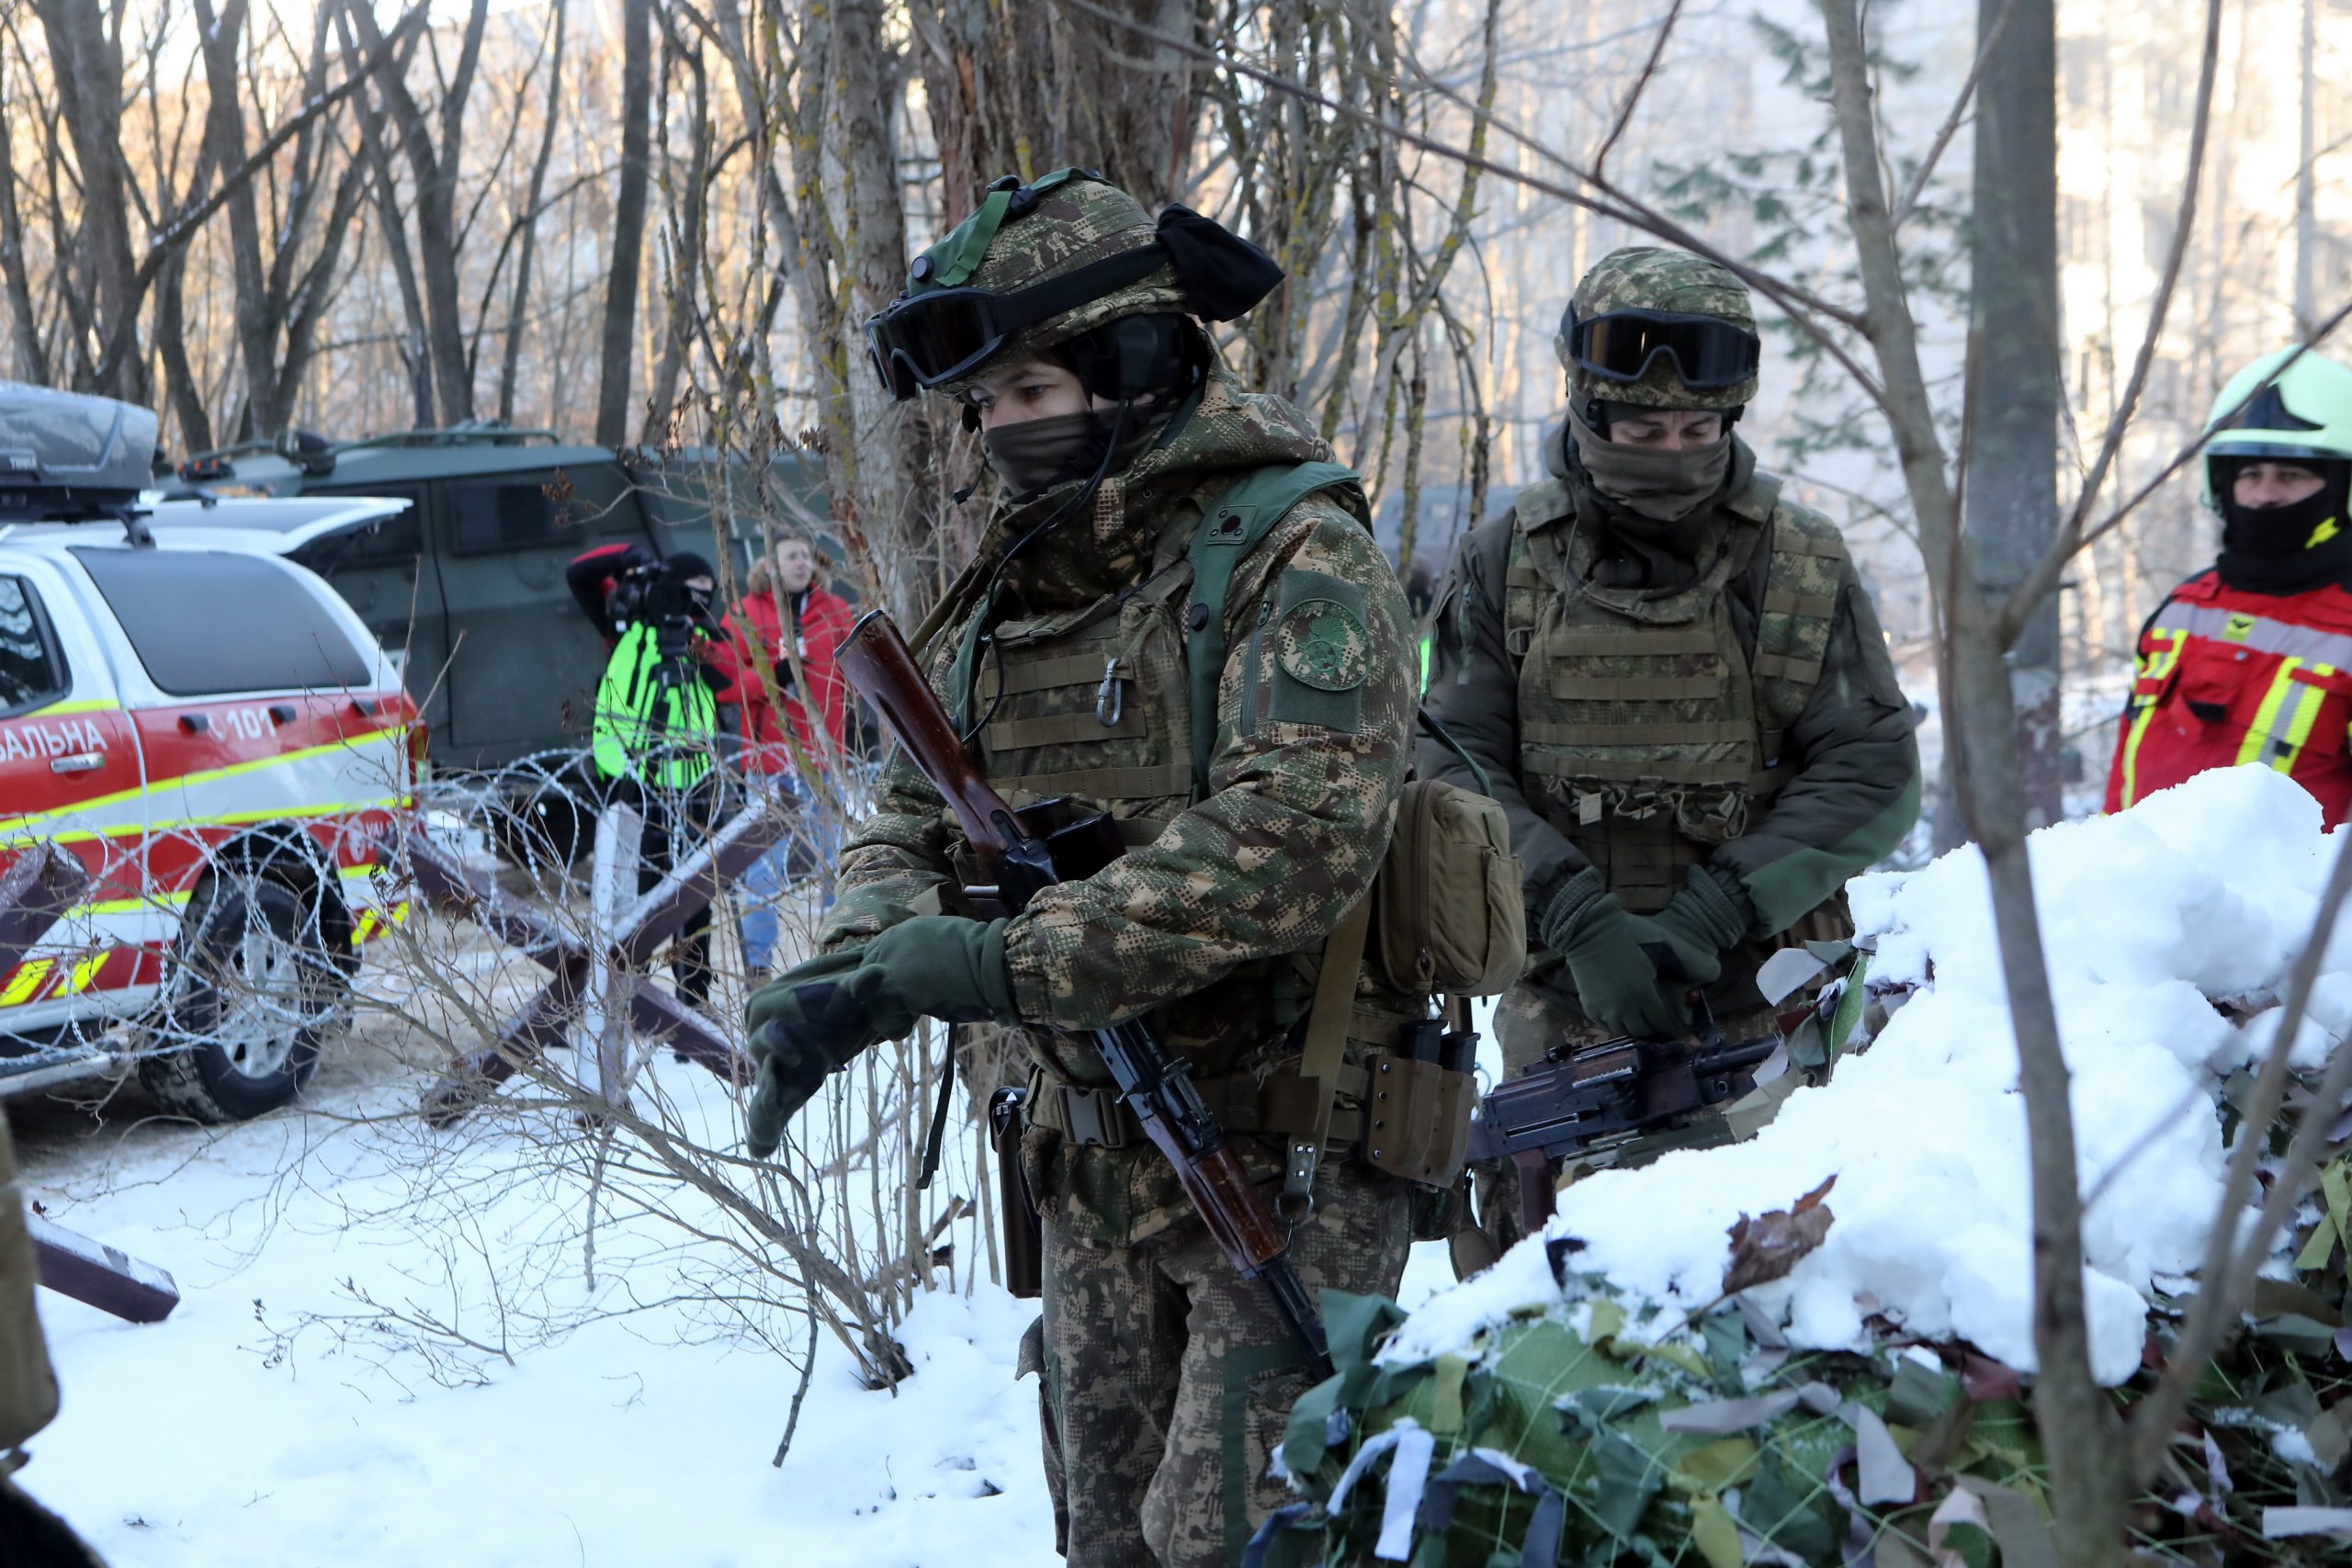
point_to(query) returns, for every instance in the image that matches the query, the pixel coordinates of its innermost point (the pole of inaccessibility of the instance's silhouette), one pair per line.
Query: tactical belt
(1284, 1104)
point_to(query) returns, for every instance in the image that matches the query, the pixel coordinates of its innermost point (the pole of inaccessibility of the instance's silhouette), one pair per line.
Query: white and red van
(219, 739)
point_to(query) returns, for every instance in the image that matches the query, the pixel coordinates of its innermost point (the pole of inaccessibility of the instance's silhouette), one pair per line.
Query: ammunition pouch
(1416, 1123)
(1449, 917)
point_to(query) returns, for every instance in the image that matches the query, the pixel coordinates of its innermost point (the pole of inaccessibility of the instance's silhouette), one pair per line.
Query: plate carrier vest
(1648, 733)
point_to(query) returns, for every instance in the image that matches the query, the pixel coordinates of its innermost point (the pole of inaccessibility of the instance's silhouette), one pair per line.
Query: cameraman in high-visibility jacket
(2251, 659)
(656, 729)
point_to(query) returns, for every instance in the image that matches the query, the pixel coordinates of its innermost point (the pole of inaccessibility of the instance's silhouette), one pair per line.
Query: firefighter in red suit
(782, 635)
(2251, 661)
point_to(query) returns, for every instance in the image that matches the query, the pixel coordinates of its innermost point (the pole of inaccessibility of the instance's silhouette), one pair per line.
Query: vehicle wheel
(251, 995)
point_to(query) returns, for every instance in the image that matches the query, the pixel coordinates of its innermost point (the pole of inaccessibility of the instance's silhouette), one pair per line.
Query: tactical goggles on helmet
(1707, 352)
(941, 329)
(918, 340)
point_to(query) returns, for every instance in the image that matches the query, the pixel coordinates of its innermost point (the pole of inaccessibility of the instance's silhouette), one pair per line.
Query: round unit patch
(1322, 643)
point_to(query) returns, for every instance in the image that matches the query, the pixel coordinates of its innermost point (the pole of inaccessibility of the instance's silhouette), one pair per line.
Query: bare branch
(1919, 186)
(1634, 94)
(1800, 305)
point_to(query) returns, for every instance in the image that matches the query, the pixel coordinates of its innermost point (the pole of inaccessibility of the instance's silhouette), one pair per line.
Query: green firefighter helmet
(1663, 329)
(2303, 415)
(1040, 265)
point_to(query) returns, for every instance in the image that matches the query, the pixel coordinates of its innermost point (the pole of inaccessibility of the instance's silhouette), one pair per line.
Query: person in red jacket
(785, 630)
(2251, 659)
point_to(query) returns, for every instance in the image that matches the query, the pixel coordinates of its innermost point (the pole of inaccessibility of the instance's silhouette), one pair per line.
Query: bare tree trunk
(2306, 216)
(617, 356)
(224, 134)
(2016, 394)
(2080, 1431)
(688, 238)
(852, 235)
(89, 88)
(24, 322)
(180, 384)
(1026, 88)
(519, 304)
(434, 170)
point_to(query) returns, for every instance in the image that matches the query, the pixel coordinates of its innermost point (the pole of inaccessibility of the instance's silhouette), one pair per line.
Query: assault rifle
(1030, 850)
(1585, 1097)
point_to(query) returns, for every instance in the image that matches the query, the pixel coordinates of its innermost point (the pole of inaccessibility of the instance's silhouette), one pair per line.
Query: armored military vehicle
(465, 586)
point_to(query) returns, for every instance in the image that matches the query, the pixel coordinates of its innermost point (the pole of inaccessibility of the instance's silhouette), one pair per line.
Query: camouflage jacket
(1236, 891)
(1854, 786)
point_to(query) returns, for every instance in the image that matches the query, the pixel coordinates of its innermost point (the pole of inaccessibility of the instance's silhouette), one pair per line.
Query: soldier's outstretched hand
(817, 1017)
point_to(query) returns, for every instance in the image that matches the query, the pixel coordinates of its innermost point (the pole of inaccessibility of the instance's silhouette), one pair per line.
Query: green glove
(1690, 936)
(819, 1016)
(1616, 984)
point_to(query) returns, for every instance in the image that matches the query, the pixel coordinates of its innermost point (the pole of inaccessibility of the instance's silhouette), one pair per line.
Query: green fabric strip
(1783, 891)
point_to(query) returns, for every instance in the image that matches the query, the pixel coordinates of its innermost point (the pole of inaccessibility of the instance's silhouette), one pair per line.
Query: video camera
(648, 594)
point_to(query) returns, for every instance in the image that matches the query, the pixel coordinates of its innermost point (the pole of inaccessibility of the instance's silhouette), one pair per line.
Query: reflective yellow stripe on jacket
(2163, 654)
(2282, 725)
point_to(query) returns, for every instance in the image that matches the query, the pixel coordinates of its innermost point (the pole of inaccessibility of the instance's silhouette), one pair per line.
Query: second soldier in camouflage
(1675, 683)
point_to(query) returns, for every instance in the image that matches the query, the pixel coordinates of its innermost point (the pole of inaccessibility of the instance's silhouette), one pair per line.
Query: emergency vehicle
(216, 735)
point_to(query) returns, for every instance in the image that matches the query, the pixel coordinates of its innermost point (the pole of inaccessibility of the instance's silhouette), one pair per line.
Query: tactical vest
(1115, 703)
(1648, 733)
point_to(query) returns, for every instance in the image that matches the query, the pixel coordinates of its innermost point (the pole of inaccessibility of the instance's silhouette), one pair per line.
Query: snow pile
(2200, 895)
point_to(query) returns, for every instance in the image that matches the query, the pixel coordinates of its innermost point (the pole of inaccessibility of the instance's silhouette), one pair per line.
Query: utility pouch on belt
(1449, 918)
(1023, 1234)
(1417, 1100)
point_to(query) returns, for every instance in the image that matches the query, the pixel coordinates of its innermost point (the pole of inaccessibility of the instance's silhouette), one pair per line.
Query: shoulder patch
(1324, 644)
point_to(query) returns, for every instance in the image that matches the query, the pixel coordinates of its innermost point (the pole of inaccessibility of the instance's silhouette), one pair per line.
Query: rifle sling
(1324, 1054)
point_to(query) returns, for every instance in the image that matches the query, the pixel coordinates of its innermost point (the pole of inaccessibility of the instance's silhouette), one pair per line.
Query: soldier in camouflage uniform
(1062, 649)
(1675, 683)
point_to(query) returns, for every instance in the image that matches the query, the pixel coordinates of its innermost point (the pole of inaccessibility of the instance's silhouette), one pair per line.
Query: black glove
(784, 677)
(1707, 918)
(819, 1016)
(1617, 985)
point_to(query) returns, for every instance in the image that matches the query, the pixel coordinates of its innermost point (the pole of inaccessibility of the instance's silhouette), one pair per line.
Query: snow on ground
(2200, 895)
(275, 1421)
(235, 1433)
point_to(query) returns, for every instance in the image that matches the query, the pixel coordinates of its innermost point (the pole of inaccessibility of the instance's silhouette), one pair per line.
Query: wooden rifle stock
(1153, 1082)
(874, 658)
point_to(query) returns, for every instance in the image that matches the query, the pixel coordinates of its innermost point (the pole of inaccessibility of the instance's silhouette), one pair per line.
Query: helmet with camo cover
(1040, 265)
(1662, 328)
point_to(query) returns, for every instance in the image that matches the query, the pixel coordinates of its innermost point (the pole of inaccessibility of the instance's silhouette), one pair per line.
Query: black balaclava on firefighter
(2293, 548)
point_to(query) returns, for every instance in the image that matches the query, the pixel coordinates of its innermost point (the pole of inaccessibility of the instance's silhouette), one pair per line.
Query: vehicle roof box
(67, 456)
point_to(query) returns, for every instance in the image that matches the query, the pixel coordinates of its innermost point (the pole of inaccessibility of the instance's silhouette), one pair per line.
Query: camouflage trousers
(1168, 1378)
(1529, 1021)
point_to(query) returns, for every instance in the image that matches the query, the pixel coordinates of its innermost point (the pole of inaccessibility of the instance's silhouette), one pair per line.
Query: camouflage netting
(1565, 1437)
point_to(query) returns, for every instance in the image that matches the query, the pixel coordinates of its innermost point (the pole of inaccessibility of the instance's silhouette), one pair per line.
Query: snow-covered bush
(1872, 1393)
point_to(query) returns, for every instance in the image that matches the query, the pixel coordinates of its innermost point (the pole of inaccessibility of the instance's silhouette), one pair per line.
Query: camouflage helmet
(1671, 308)
(980, 295)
